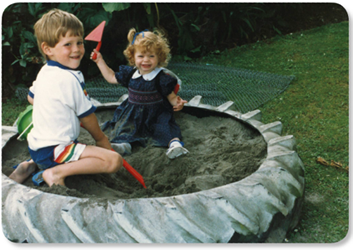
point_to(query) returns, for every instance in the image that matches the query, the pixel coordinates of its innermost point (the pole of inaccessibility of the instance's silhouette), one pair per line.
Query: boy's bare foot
(51, 178)
(23, 170)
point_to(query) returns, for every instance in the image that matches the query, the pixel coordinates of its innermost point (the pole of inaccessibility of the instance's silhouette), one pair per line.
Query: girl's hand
(108, 73)
(179, 104)
(176, 101)
(98, 58)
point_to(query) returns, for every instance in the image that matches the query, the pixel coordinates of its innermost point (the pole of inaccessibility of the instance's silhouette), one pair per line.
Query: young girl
(148, 111)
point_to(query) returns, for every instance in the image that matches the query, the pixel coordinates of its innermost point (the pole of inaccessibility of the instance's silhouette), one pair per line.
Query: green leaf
(176, 19)
(95, 18)
(248, 22)
(186, 58)
(150, 20)
(277, 30)
(195, 26)
(29, 36)
(29, 45)
(69, 7)
(23, 63)
(111, 7)
(38, 7)
(224, 16)
(198, 49)
(10, 32)
(31, 9)
(22, 49)
(14, 62)
(147, 8)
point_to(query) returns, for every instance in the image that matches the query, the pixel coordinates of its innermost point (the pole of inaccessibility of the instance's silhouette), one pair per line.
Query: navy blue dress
(146, 116)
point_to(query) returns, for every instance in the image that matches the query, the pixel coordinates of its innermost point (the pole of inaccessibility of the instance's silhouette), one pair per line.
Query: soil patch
(222, 150)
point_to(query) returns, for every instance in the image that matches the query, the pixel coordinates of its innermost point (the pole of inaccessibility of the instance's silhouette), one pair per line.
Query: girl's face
(145, 61)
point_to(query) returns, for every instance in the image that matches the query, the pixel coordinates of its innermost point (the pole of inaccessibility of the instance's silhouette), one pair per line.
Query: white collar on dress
(148, 77)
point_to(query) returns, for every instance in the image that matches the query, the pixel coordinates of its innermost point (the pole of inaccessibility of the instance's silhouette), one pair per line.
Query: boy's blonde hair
(54, 24)
(148, 41)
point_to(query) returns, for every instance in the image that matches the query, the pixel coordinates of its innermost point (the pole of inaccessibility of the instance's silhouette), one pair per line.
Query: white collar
(148, 77)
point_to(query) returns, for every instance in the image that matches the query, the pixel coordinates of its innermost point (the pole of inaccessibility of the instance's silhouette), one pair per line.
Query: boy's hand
(179, 104)
(90, 123)
(99, 56)
(103, 143)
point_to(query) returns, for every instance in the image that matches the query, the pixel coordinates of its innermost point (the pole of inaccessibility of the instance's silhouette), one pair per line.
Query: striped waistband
(144, 97)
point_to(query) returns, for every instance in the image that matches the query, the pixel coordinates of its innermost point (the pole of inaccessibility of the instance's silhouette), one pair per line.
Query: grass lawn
(315, 109)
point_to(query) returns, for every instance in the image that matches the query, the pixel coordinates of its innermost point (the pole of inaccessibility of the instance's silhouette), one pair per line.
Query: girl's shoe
(176, 149)
(122, 148)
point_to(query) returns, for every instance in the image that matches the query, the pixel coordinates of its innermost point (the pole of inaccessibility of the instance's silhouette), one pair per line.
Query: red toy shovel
(134, 173)
(96, 36)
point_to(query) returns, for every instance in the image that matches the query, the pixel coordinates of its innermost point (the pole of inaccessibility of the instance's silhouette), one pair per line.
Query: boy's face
(68, 51)
(145, 62)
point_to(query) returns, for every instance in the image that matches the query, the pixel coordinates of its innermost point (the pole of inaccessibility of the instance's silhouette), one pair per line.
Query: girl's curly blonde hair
(148, 41)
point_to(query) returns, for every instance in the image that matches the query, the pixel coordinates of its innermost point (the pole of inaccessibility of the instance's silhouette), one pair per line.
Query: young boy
(60, 103)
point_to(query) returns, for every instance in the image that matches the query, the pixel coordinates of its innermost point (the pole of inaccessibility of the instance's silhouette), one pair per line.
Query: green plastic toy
(24, 123)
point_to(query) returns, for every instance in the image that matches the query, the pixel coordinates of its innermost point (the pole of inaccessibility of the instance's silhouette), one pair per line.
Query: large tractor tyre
(262, 207)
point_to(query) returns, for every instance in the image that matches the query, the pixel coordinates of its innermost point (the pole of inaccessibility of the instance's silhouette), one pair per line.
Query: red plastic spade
(133, 172)
(96, 36)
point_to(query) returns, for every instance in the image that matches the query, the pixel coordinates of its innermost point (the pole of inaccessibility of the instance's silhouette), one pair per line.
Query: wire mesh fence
(216, 84)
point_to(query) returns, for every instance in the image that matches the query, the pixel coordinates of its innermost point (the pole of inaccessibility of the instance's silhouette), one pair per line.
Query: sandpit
(222, 150)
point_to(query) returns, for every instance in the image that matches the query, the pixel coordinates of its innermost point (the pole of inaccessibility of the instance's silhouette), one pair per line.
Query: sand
(222, 150)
